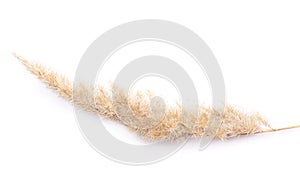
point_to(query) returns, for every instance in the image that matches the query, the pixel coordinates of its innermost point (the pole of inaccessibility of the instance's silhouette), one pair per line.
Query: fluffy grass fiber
(174, 124)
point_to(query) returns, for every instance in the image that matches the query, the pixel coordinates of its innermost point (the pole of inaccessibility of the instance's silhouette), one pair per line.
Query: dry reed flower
(175, 124)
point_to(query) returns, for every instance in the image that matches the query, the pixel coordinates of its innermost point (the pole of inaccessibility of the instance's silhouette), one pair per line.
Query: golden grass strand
(279, 129)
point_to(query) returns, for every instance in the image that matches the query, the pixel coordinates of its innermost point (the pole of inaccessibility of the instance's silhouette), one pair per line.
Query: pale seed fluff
(175, 124)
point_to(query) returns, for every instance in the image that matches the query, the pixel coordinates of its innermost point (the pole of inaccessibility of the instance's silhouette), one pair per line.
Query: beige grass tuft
(175, 124)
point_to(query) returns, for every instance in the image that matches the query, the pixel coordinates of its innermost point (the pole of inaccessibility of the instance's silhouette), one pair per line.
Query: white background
(257, 45)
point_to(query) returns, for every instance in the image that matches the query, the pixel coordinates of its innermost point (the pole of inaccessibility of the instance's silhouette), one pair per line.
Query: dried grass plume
(175, 124)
